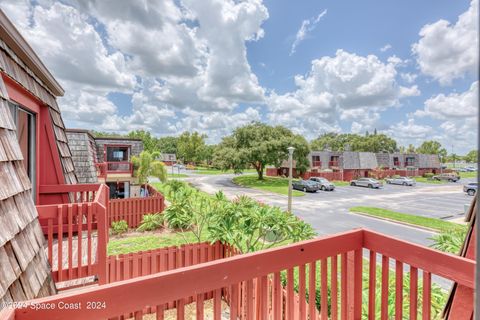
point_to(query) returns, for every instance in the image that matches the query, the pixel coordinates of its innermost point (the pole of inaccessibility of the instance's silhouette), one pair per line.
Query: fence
(340, 255)
(132, 210)
(76, 233)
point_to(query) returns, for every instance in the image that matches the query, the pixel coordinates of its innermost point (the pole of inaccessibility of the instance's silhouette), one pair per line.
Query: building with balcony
(105, 160)
(348, 165)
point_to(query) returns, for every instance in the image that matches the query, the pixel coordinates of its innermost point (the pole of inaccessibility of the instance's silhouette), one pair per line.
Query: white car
(404, 181)
(366, 182)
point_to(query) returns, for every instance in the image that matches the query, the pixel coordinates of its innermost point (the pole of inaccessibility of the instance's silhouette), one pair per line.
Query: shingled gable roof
(24, 268)
(12, 65)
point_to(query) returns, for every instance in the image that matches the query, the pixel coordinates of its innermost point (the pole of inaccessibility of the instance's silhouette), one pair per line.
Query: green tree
(149, 141)
(190, 147)
(472, 156)
(104, 134)
(146, 166)
(354, 142)
(432, 147)
(167, 144)
(257, 145)
(411, 148)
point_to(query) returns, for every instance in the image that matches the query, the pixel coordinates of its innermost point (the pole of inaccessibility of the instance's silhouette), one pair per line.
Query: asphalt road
(328, 212)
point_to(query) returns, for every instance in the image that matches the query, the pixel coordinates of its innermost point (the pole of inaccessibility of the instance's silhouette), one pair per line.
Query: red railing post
(102, 236)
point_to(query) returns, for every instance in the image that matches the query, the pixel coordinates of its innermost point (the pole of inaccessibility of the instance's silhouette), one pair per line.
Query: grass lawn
(468, 174)
(149, 241)
(213, 171)
(177, 175)
(431, 223)
(272, 184)
(428, 180)
(339, 183)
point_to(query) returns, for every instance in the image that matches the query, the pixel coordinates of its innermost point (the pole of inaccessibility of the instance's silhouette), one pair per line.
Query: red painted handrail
(333, 163)
(249, 279)
(63, 223)
(317, 163)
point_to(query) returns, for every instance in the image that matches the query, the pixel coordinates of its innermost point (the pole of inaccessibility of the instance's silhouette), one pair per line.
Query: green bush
(428, 175)
(119, 227)
(449, 240)
(151, 222)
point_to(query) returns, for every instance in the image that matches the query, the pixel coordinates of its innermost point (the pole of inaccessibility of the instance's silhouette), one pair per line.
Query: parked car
(451, 177)
(305, 185)
(471, 169)
(323, 184)
(366, 182)
(179, 166)
(461, 170)
(404, 181)
(470, 188)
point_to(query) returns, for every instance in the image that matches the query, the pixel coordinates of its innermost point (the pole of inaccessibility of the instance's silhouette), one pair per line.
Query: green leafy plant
(428, 175)
(146, 166)
(151, 222)
(450, 240)
(119, 227)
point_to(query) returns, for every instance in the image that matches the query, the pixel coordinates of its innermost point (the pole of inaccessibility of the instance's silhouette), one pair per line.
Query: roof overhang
(12, 37)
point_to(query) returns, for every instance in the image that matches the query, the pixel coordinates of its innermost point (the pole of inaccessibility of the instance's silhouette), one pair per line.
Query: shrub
(449, 240)
(151, 222)
(428, 175)
(119, 227)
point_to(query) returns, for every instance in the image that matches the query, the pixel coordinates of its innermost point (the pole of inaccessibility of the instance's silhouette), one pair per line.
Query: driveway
(328, 212)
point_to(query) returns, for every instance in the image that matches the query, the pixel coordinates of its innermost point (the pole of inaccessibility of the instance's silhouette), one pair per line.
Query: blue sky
(407, 68)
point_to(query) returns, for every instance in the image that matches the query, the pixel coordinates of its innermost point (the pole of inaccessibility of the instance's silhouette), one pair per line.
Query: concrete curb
(396, 221)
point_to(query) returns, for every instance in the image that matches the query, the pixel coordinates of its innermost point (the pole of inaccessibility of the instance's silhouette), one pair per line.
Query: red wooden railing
(396, 163)
(332, 164)
(119, 167)
(132, 210)
(316, 163)
(76, 233)
(254, 283)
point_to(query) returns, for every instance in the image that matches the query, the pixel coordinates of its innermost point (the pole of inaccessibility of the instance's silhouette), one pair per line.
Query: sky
(406, 68)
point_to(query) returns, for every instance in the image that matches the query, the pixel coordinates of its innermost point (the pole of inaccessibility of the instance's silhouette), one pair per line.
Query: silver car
(366, 182)
(323, 183)
(404, 181)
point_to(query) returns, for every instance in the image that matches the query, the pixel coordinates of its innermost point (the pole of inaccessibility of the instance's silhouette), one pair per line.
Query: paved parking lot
(328, 212)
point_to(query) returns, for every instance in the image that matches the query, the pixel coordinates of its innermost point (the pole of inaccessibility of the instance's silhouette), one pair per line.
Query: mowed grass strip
(426, 222)
(271, 184)
(148, 242)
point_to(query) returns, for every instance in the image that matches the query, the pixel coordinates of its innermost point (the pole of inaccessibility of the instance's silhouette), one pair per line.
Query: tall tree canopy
(472, 156)
(149, 141)
(257, 145)
(190, 147)
(432, 147)
(354, 142)
(167, 144)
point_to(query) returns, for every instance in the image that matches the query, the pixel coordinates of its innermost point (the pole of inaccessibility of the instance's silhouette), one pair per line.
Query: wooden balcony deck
(262, 285)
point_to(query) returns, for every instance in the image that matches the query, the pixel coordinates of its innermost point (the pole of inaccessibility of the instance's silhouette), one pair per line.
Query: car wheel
(450, 180)
(471, 192)
(352, 184)
(370, 186)
(404, 183)
(304, 189)
(322, 188)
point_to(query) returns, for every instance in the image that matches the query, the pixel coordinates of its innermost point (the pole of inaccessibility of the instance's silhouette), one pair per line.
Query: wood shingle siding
(24, 268)
(84, 155)
(20, 73)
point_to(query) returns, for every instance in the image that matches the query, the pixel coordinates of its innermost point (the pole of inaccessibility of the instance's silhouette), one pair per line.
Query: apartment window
(117, 153)
(26, 135)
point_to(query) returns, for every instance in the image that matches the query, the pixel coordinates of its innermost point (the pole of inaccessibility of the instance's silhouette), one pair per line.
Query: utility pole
(290, 167)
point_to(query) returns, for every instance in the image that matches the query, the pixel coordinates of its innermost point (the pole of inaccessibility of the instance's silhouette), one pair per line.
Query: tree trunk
(259, 172)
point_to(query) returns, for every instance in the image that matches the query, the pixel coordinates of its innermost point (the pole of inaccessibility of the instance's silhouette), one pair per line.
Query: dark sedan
(305, 185)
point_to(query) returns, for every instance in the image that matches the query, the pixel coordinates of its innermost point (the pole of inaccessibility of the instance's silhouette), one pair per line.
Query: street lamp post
(290, 168)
